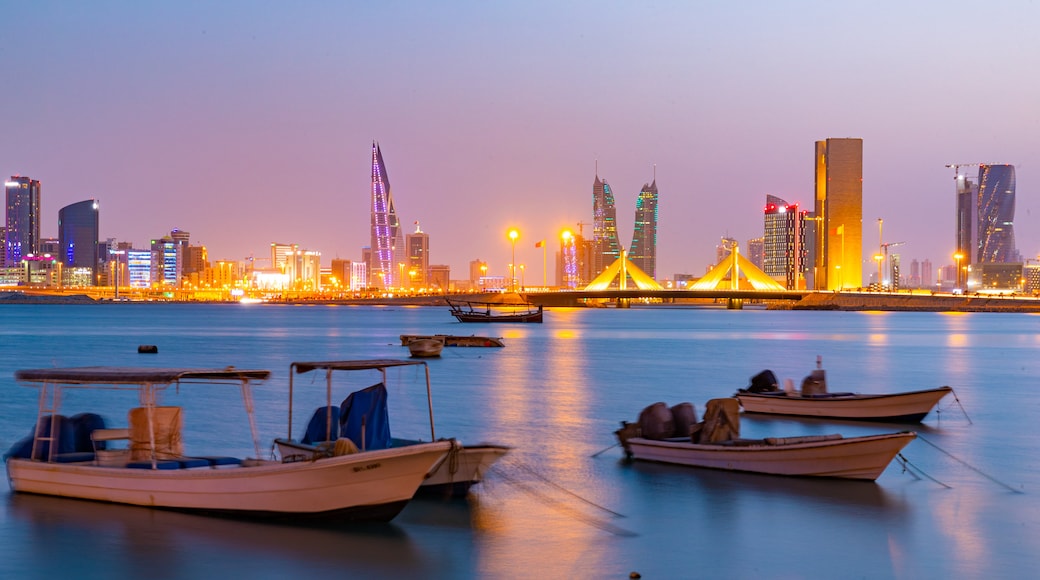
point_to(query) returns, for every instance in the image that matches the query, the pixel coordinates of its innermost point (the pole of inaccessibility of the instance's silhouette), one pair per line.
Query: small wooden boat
(906, 407)
(763, 395)
(362, 422)
(832, 456)
(425, 347)
(454, 340)
(493, 312)
(70, 457)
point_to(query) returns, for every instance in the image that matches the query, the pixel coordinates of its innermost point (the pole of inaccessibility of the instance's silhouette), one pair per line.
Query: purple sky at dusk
(247, 123)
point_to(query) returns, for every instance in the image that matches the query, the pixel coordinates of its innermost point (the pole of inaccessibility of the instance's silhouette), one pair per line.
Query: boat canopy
(352, 365)
(135, 375)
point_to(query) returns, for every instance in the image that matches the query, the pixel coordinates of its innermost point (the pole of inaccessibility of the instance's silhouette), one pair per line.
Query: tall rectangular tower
(967, 222)
(418, 267)
(22, 218)
(784, 250)
(839, 206)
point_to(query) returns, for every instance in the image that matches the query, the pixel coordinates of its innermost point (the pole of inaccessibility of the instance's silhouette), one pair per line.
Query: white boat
(764, 395)
(906, 407)
(426, 347)
(832, 456)
(362, 420)
(61, 458)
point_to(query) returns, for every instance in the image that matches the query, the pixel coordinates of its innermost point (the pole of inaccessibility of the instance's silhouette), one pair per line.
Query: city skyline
(196, 119)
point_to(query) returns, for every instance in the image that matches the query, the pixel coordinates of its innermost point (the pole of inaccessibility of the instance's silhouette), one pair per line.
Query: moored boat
(362, 422)
(69, 457)
(456, 340)
(715, 444)
(494, 312)
(764, 395)
(426, 347)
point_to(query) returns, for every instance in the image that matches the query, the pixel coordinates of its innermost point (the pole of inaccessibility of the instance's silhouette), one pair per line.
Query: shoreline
(824, 301)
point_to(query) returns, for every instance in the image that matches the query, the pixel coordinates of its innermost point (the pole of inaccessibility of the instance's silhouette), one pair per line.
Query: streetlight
(513, 235)
(958, 257)
(522, 284)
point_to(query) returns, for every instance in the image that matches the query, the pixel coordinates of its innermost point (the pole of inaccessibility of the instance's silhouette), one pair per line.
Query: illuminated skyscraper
(23, 219)
(644, 239)
(78, 239)
(785, 256)
(166, 262)
(996, 225)
(839, 204)
(606, 248)
(417, 268)
(387, 238)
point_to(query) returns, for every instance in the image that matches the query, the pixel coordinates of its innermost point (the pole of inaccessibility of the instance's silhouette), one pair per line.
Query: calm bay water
(555, 393)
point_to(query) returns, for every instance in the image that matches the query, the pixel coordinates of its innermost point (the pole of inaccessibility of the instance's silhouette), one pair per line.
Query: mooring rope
(955, 398)
(602, 451)
(545, 479)
(969, 466)
(557, 504)
(911, 468)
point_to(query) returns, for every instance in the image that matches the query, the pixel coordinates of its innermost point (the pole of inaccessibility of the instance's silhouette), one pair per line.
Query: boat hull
(364, 486)
(530, 317)
(425, 347)
(461, 470)
(910, 407)
(863, 458)
(453, 340)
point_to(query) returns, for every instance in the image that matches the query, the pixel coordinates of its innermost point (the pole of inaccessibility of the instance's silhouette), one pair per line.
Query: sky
(250, 122)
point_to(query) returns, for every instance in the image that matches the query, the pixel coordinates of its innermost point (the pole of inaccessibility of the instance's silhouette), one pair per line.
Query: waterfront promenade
(841, 301)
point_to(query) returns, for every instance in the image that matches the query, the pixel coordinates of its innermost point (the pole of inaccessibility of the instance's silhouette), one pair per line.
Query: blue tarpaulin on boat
(73, 435)
(366, 408)
(319, 429)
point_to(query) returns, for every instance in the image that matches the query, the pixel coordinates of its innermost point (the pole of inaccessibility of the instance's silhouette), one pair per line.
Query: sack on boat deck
(684, 417)
(721, 421)
(166, 426)
(655, 422)
(764, 382)
(815, 383)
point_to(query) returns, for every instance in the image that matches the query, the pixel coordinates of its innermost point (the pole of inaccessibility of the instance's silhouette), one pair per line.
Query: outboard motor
(764, 382)
(816, 382)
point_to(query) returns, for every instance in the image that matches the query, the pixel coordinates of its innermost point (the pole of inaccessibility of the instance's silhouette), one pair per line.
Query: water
(556, 393)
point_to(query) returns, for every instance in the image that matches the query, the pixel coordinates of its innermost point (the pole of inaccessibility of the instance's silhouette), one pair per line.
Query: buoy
(148, 349)
(635, 575)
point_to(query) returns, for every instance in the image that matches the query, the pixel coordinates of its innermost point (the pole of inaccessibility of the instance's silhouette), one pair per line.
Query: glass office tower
(22, 237)
(78, 238)
(644, 239)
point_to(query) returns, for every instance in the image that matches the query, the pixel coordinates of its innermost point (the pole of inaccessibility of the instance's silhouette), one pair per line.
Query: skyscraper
(785, 255)
(967, 222)
(996, 217)
(166, 262)
(417, 269)
(23, 219)
(839, 204)
(387, 237)
(78, 239)
(606, 248)
(644, 239)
